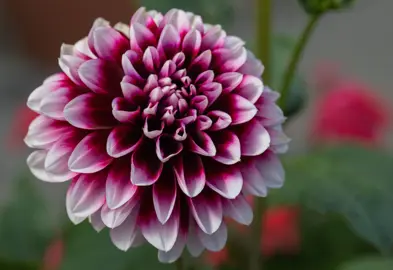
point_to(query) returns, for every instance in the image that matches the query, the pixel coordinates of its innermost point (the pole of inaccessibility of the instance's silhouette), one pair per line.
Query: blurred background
(346, 71)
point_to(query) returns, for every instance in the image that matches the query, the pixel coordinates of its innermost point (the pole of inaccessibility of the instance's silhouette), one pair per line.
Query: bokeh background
(349, 49)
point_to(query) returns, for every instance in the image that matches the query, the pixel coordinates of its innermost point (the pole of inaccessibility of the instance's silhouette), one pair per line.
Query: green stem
(256, 259)
(263, 34)
(296, 56)
(180, 264)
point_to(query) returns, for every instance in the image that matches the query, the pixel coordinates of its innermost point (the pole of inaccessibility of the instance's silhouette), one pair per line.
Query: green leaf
(88, 250)
(376, 263)
(25, 230)
(352, 181)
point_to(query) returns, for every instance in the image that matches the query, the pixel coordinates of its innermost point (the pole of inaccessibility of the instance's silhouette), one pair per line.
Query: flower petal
(201, 62)
(127, 61)
(194, 245)
(102, 77)
(207, 211)
(201, 143)
(215, 241)
(220, 120)
(119, 188)
(113, 218)
(228, 147)
(250, 88)
(240, 109)
(167, 147)
(164, 195)
(153, 127)
(192, 43)
(227, 60)
(125, 112)
(253, 182)
(141, 37)
(125, 235)
(169, 42)
(123, 140)
(146, 168)
(225, 180)
(90, 111)
(229, 80)
(190, 174)
(271, 169)
(238, 209)
(96, 221)
(90, 154)
(252, 66)
(254, 138)
(212, 91)
(213, 38)
(109, 44)
(151, 59)
(176, 251)
(36, 163)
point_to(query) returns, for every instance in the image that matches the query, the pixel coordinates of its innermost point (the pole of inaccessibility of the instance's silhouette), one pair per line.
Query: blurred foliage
(352, 181)
(282, 47)
(374, 263)
(25, 228)
(213, 12)
(316, 7)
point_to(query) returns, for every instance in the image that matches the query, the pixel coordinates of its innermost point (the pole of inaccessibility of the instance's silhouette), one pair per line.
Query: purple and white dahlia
(163, 126)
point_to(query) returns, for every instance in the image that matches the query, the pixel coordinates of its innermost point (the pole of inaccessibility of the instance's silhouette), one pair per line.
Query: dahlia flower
(163, 126)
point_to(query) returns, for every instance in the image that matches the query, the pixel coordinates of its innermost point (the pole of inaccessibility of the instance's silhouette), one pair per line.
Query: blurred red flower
(348, 110)
(53, 255)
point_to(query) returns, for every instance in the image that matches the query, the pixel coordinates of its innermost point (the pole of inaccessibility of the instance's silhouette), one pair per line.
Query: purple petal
(125, 235)
(90, 154)
(119, 188)
(102, 77)
(125, 112)
(87, 194)
(152, 82)
(253, 183)
(179, 20)
(203, 122)
(180, 134)
(271, 169)
(192, 43)
(279, 141)
(176, 251)
(194, 245)
(113, 218)
(190, 174)
(167, 147)
(53, 103)
(44, 132)
(252, 66)
(153, 127)
(201, 63)
(250, 88)
(238, 209)
(146, 168)
(151, 59)
(70, 65)
(36, 163)
(205, 77)
(201, 143)
(227, 181)
(161, 236)
(164, 195)
(216, 241)
(207, 211)
(234, 43)
(109, 44)
(144, 18)
(96, 221)
(214, 38)
(254, 138)
(90, 111)
(227, 60)
(179, 59)
(35, 98)
(99, 22)
(219, 119)
(240, 109)
(212, 91)
(228, 147)
(195, 21)
(127, 61)
(200, 103)
(167, 69)
(229, 80)
(132, 92)
(56, 162)
(141, 37)
(74, 218)
(123, 140)
(169, 42)
(124, 29)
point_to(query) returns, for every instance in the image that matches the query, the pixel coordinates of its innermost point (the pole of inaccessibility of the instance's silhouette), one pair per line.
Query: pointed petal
(205, 77)
(102, 77)
(271, 169)
(203, 122)
(90, 154)
(132, 93)
(69, 65)
(175, 253)
(123, 140)
(74, 219)
(252, 66)
(169, 42)
(36, 161)
(227, 181)
(220, 120)
(127, 61)
(87, 194)
(194, 245)
(179, 20)
(167, 147)
(215, 241)
(201, 143)
(254, 138)
(250, 88)
(151, 59)
(123, 28)
(211, 90)
(119, 188)
(113, 218)
(125, 235)
(44, 132)
(109, 44)
(146, 168)
(238, 209)
(192, 43)
(125, 112)
(161, 236)
(253, 182)
(207, 211)
(96, 221)
(190, 174)
(240, 109)
(213, 38)
(229, 81)
(153, 127)
(90, 111)
(228, 147)
(141, 37)
(201, 62)
(164, 195)
(227, 60)
(200, 103)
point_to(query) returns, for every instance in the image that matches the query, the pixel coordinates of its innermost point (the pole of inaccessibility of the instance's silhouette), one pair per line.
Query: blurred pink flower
(162, 125)
(53, 255)
(348, 110)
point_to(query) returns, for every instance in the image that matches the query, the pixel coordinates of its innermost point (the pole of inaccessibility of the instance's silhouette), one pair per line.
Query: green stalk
(263, 34)
(263, 17)
(295, 58)
(180, 264)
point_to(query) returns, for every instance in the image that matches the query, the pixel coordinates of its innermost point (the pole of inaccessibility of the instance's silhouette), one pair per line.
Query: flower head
(163, 125)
